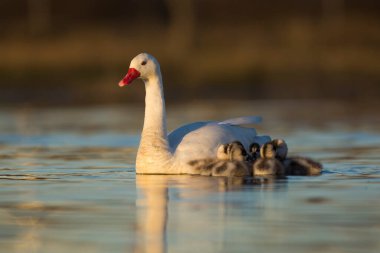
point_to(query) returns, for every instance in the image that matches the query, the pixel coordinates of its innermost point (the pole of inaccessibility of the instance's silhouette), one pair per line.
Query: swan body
(178, 152)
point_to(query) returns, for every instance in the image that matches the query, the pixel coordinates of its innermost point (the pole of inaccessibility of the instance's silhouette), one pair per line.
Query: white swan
(160, 153)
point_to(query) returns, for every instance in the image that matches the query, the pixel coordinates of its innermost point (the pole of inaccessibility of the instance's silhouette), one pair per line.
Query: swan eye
(143, 63)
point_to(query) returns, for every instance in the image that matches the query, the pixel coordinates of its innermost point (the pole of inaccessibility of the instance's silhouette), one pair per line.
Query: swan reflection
(158, 195)
(152, 213)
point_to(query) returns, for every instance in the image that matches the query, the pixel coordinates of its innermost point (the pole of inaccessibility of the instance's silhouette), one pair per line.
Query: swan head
(143, 66)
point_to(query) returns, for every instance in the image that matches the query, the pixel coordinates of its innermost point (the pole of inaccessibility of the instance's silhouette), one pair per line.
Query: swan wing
(243, 120)
(203, 142)
(176, 136)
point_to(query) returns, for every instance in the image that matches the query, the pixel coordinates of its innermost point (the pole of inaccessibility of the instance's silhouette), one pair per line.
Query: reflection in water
(30, 238)
(152, 213)
(153, 201)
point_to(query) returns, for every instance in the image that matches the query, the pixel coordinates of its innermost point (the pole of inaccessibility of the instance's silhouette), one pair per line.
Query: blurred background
(72, 52)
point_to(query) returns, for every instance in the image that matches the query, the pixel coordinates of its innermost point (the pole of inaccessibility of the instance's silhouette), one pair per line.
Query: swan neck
(153, 153)
(155, 114)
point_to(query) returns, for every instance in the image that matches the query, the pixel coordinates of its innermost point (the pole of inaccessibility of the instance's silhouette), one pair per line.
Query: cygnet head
(281, 148)
(221, 152)
(254, 150)
(268, 151)
(237, 151)
(143, 66)
(233, 151)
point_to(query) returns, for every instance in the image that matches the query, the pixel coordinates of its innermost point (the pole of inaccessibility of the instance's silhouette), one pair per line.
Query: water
(67, 184)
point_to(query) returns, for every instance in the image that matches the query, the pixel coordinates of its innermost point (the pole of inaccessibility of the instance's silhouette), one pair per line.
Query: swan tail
(243, 120)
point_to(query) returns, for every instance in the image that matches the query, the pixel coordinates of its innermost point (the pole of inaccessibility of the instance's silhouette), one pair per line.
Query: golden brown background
(70, 52)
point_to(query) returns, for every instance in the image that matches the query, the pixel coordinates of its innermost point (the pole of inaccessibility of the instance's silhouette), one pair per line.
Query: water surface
(68, 184)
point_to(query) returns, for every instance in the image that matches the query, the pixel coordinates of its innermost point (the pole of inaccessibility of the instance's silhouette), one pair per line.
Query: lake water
(68, 184)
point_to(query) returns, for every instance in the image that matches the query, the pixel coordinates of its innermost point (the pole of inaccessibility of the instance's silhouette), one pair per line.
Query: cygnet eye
(143, 63)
